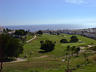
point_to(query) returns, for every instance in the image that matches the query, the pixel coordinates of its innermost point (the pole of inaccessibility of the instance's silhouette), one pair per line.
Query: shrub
(20, 32)
(39, 32)
(63, 41)
(47, 45)
(74, 39)
(41, 42)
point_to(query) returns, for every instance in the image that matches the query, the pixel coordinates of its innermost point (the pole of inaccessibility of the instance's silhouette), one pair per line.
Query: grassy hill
(51, 61)
(34, 46)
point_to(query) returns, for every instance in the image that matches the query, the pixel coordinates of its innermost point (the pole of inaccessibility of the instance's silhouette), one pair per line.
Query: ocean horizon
(36, 27)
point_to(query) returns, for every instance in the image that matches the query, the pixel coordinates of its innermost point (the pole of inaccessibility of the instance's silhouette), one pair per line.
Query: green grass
(53, 61)
(48, 65)
(28, 37)
(88, 68)
(34, 46)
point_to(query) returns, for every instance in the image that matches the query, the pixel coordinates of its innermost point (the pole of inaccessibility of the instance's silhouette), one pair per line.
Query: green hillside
(51, 61)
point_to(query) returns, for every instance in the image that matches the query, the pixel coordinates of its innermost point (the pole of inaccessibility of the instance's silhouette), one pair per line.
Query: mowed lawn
(52, 61)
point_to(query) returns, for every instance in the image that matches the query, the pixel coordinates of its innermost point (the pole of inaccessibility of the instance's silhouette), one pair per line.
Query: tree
(73, 48)
(40, 32)
(68, 48)
(21, 32)
(9, 47)
(77, 50)
(47, 45)
(74, 39)
(41, 41)
(63, 41)
(68, 58)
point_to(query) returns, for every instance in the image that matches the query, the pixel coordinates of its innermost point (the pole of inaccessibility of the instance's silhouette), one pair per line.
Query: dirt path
(31, 39)
(22, 59)
(82, 49)
(18, 60)
(44, 56)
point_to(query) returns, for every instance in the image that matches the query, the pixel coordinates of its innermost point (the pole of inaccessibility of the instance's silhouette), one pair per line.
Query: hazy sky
(21, 12)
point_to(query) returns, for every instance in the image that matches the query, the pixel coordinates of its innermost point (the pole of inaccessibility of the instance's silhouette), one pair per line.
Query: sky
(27, 12)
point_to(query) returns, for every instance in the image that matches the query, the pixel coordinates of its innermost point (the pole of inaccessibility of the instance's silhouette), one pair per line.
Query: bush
(20, 32)
(74, 39)
(63, 41)
(41, 42)
(47, 45)
(39, 32)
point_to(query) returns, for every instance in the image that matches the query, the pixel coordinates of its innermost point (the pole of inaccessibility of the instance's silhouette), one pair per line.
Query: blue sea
(36, 27)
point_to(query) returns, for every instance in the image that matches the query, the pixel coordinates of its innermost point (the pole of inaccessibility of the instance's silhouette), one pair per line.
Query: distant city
(37, 27)
(88, 31)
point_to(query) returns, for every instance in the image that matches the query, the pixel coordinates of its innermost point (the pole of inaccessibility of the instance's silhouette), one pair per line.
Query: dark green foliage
(47, 45)
(9, 46)
(74, 39)
(21, 32)
(41, 42)
(77, 50)
(73, 50)
(70, 51)
(39, 32)
(63, 41)
(68, 48)
(68, 58)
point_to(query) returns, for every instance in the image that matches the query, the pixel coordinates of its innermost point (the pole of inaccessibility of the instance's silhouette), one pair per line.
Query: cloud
(75, 1)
